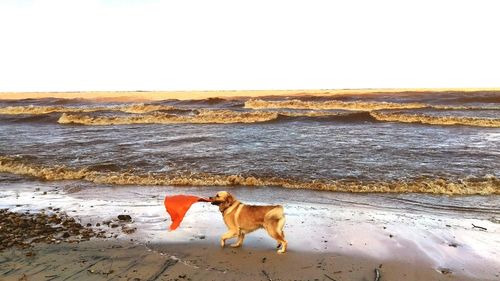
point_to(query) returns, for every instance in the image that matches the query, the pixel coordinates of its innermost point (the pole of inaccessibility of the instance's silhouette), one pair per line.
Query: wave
(144, 108)
(203, 117)
(39, 110)
(435, 120)
(495, 98)
(210, 101)
(42, 101)
(483, 186)
(206, 116)
(155, 114)
(352, 105)
(329, 116)
(463, 107)
(46, 119)
(330, 104)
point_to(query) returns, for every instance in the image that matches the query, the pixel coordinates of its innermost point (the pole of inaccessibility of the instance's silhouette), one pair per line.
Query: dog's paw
(222, 243)
(281, 251)
(236, 245)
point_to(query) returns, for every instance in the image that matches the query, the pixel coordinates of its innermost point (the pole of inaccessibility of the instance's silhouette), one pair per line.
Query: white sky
(64, 45)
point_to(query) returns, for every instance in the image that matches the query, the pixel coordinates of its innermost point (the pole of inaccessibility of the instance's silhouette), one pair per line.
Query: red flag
(178, 205)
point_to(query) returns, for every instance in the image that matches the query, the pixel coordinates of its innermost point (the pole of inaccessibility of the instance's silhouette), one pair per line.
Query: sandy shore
(185, 95)
(121, 260)
(332, 236)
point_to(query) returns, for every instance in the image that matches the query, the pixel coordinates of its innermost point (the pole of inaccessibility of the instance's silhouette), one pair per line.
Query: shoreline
(137, 96)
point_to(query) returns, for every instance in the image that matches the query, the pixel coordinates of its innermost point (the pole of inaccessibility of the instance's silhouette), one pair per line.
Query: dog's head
(223, 199)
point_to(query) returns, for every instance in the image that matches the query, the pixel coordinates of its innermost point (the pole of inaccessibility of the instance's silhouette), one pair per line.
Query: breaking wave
(435, 120)
(203, 117)
(206, 116)
(351, 105)
(483, 186)
(307, 110)
(38, 110)
(331, 104)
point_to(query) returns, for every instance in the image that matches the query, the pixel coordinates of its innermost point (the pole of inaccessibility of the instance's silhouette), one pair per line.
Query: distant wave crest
(38, 110)
(351, 105)
(435, 120)
(331, 104)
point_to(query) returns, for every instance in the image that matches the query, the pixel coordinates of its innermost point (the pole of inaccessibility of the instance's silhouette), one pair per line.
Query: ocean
(440, 143)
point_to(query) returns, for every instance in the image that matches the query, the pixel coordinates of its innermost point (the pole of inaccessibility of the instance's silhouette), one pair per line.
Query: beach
(344, 238)
(403, 184)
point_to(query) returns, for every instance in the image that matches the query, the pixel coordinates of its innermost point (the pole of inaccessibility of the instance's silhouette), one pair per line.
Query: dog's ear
(227, 203)
(229, 199)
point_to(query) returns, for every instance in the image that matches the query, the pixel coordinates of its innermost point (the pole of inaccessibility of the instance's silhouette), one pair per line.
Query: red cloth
(178, 205)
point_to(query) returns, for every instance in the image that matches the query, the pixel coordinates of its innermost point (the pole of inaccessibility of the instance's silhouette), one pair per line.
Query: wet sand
(120, 260)
(187, 95)
(344, 239)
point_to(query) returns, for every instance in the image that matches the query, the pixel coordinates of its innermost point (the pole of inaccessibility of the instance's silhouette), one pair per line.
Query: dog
(241, 219)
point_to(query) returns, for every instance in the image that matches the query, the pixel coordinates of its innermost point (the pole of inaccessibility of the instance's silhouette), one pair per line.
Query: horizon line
(145, 95)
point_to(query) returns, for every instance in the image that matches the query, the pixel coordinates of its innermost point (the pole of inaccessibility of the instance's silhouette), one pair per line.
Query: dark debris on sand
(23, 229)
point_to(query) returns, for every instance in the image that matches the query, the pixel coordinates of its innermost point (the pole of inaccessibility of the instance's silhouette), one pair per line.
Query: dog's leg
(284, 245)
(279, 228)
(276, 233)
(241, 236)
(228, 235)
(282, 235)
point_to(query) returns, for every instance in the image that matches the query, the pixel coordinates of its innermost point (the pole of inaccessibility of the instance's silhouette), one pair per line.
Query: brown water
(443, 143)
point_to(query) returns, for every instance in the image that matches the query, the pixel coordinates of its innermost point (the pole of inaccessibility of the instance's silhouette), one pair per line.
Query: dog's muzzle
(214, 202)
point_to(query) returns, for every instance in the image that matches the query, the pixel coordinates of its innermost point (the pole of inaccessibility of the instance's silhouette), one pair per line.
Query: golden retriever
(241, 219)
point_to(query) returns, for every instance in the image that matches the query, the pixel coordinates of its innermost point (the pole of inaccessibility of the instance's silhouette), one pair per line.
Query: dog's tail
(275, 213)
